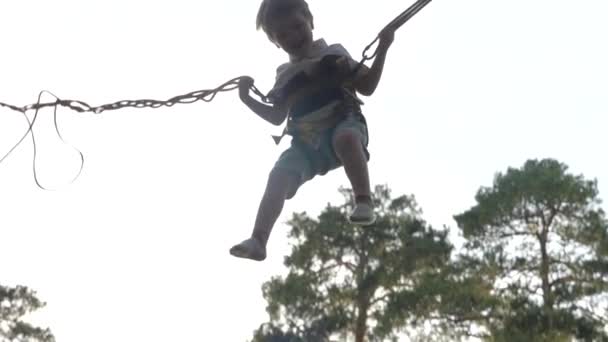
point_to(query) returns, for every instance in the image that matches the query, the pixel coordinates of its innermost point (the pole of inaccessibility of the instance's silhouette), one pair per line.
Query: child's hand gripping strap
(394, 24)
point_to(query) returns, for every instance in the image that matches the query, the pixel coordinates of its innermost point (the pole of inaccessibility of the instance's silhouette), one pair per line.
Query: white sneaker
(363, 214)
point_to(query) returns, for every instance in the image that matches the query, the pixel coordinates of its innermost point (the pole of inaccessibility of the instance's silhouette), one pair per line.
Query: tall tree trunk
(361, 323)
(362, 298)
(544, 276)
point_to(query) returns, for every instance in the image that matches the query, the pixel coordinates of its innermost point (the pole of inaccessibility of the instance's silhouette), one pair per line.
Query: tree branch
(592, 314)
(515, 233)
(376, 300)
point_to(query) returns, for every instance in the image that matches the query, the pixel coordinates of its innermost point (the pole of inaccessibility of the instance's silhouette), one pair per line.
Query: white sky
(137, 247)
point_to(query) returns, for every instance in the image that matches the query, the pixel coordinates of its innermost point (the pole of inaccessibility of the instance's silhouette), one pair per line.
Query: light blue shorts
(306, 161)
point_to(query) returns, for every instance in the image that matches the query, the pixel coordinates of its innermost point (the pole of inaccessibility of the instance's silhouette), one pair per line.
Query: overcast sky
(136, 249)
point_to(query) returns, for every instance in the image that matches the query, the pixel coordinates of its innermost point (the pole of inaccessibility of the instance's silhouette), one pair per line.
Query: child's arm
(367, 79)
(274, 114)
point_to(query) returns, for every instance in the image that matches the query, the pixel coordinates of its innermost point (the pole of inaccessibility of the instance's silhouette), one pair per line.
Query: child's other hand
(245, 84)
(387, 35)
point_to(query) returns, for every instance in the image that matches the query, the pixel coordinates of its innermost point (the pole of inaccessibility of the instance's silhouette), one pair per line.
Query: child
(315, 92)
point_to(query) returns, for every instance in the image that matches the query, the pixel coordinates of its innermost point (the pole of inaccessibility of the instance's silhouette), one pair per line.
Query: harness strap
(307, 126)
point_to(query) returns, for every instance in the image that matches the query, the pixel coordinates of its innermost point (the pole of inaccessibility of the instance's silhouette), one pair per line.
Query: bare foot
(249, 249)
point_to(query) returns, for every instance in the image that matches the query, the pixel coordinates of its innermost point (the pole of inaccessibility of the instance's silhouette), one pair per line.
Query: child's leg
(349, 145)
(281, 185)
(349, 149)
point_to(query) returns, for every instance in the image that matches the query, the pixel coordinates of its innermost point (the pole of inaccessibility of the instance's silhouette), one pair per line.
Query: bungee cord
(206, 95)
(396, 24)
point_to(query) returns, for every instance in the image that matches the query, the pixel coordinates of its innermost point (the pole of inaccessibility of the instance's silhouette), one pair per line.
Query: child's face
(293, 33)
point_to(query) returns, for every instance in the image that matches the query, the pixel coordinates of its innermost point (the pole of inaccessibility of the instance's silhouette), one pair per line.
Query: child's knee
(346, 139)
(283, 183)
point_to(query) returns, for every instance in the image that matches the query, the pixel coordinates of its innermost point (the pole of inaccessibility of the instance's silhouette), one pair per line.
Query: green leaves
(358, 277)
(534, 267)
(16, 302)
(543, 234)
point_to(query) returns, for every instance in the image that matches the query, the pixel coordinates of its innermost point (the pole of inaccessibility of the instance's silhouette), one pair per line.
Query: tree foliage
(360, 282)
(15, 303)
(537, 241)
